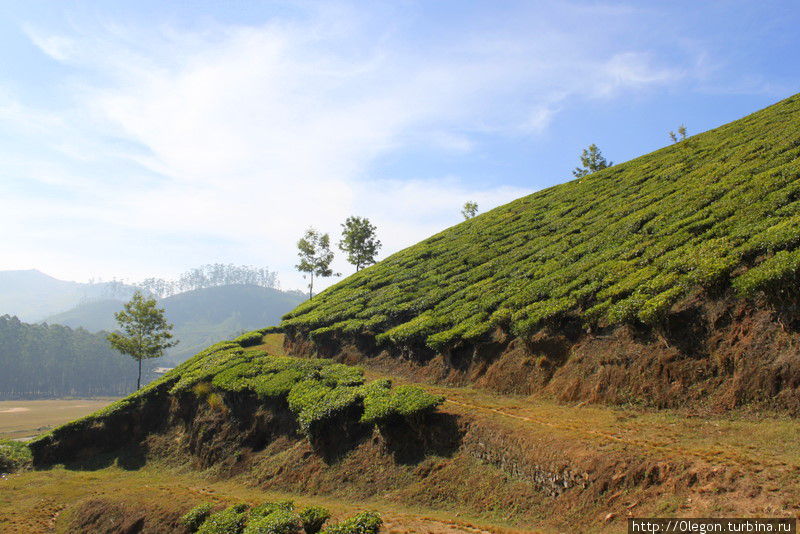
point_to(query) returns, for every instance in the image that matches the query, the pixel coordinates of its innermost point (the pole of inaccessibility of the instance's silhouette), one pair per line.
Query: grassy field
(26, 419)
(43, 501)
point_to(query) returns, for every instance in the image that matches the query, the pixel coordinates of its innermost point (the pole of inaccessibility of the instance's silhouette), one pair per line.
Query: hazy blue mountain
(32, 295)
(201, 317)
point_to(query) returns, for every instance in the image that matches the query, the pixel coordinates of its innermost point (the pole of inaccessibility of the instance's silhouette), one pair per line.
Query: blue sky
(144, 138)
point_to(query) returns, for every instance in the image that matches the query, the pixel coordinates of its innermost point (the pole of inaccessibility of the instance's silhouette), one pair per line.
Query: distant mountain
(201, 317)
(32, 295)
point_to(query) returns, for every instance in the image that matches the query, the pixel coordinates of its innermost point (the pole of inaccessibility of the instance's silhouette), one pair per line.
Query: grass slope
(718, 209)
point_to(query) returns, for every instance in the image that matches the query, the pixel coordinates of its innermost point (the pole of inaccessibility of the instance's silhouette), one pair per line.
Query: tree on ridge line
(592, 160)
(359, 241)
(146, 332)
(315, 257)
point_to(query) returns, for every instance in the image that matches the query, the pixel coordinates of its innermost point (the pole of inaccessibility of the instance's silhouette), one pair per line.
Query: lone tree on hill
(681, 135)
(315, 257)
(469, 210)
(592, 160)
(146, 333)
(359, 242)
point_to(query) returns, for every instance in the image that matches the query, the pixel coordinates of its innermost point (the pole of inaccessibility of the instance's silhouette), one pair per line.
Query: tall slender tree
(359, 241)
(145, 331)
(314, 250)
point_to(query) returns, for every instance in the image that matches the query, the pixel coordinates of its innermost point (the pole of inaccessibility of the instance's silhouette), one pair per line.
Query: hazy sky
(143, 138)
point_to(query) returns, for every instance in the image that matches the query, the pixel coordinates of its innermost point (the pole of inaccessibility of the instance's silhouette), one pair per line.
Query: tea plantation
(717, 211)
(316, 390)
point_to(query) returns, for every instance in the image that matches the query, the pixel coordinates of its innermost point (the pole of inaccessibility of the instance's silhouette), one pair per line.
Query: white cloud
(247, 135)
(57, 47)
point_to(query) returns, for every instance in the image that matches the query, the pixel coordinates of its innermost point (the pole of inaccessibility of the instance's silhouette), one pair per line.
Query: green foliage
(196, 516)
(276, 522)
(314, 250)
(592, 160)
(313, 518)
(775, 275)
(313, 401)
(250, 339)
(267, 518)
(363, 523)
(316, 390)
(268, 508)
(146, 333)
(13, 456)
(231, 520)
(680, 136)
(469, 210)
(359, 242)
(621, 244)
(382, 403)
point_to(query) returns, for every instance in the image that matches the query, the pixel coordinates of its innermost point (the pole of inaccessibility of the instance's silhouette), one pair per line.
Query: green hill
(717, 211)
(201, 317)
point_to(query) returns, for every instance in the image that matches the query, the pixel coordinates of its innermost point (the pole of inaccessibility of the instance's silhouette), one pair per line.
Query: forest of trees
(41, 361)
(211, 275)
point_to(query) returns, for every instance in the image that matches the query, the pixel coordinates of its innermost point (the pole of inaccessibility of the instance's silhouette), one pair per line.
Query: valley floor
(24, 419)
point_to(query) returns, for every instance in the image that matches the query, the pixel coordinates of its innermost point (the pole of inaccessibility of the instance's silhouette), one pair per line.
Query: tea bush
(620, 245)
(313, 518)
(277, 522)
(13, 456)
(196, 516)
(231, 520)
(316, 390)
(250, 339)
(268, 518)
(363, 523)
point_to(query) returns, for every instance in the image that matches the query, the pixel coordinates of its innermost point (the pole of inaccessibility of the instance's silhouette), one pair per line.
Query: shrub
(228, 521)
(313, 518)
(268, 508)
(655, 309)
(196, 516)
(773, 276)
(13, 456)
(271, 330)
(313, 402)
(363, 523)
(382, 403)
(277, 522)
(249, 339)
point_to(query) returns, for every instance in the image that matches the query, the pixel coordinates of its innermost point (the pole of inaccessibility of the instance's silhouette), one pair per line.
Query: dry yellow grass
(26, 419)
(42, 501)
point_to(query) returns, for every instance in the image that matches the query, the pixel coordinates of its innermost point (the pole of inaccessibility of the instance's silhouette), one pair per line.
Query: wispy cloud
(248, 134)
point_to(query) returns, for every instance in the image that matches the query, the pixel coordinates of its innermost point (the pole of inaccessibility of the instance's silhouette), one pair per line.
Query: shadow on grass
(130, 458)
